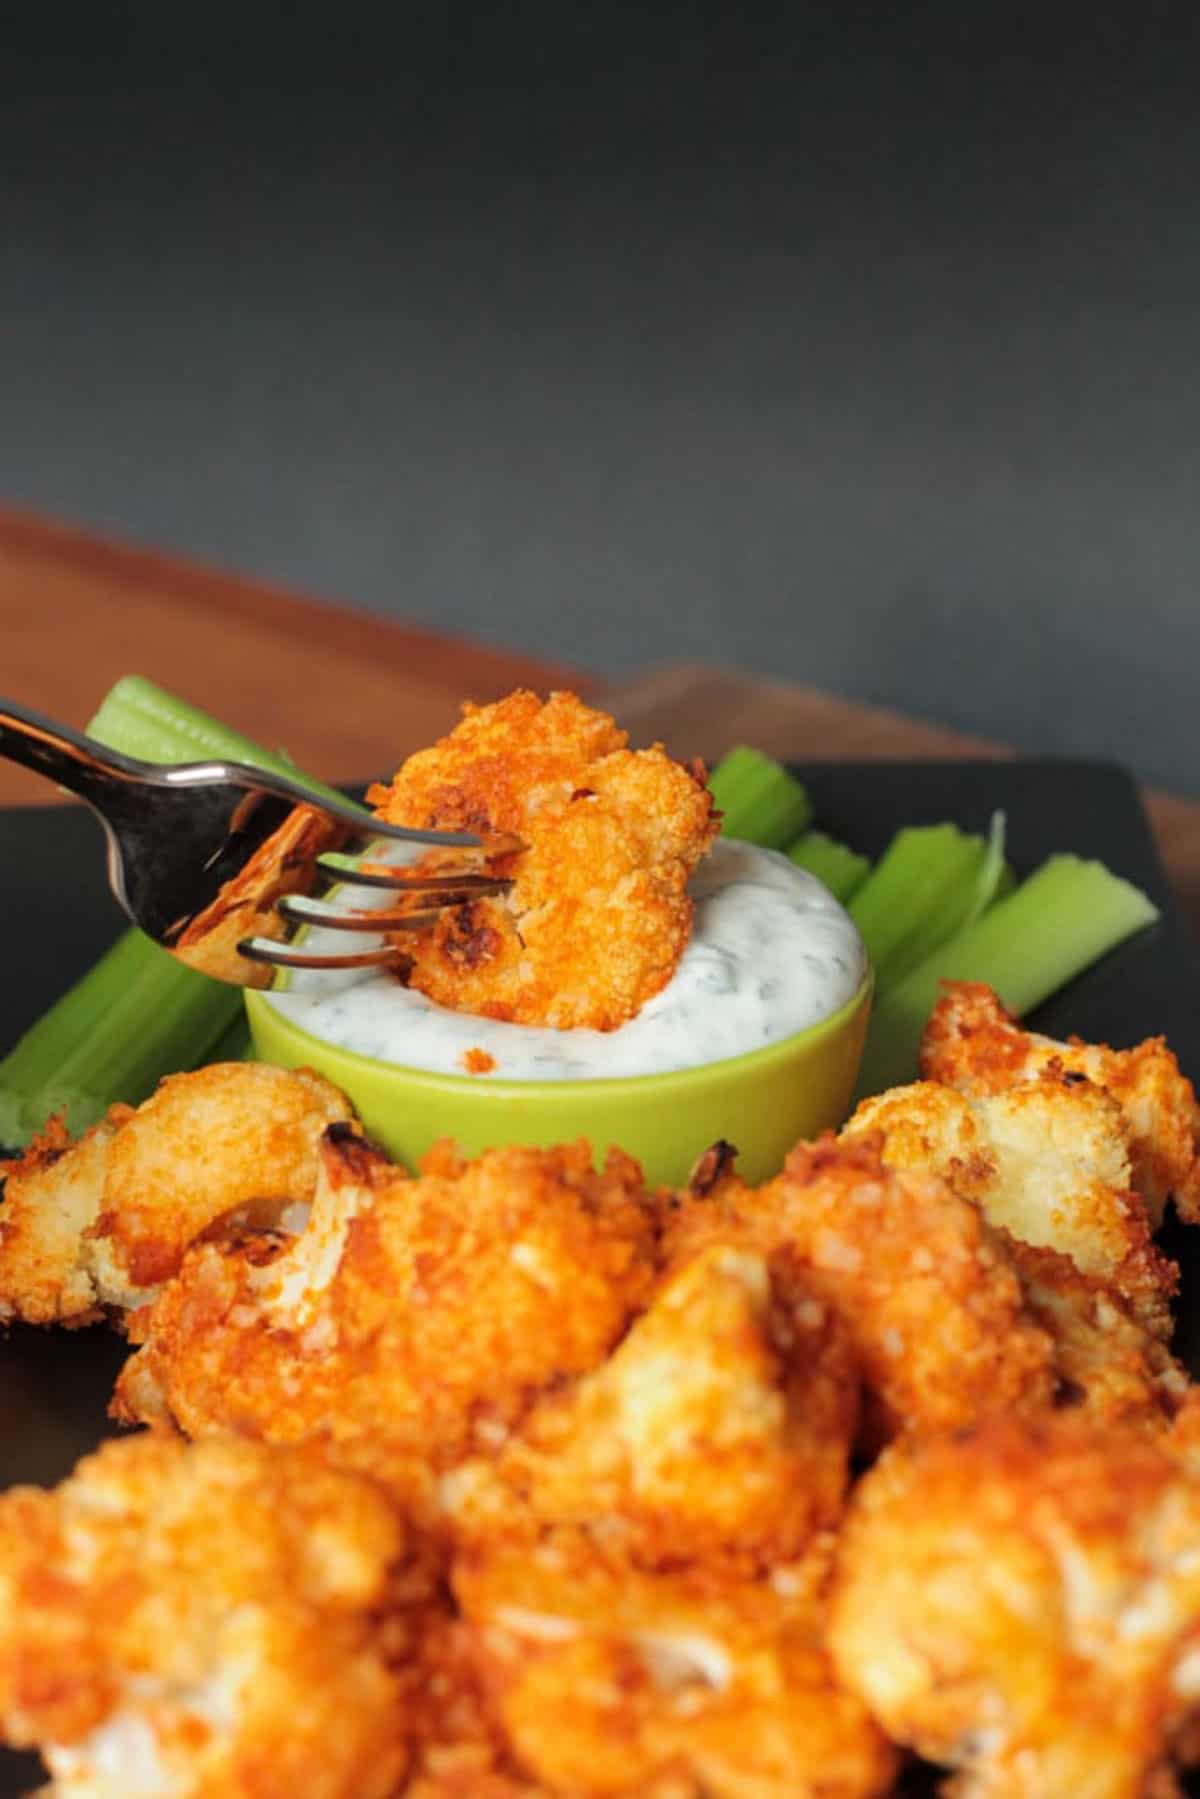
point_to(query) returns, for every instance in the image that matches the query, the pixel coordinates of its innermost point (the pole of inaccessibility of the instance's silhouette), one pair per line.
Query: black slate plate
(57, 916)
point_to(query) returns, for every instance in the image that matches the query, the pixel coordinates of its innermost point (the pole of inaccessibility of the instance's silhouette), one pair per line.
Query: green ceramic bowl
(763, 1102)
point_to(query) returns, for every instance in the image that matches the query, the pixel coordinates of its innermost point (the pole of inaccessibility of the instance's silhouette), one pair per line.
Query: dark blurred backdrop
(854, 344)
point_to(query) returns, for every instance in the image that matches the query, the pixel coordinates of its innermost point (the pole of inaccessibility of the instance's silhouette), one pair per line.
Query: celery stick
(918, 894)
(42, 1047)
(1066, 916)
(137, 1014)
(991, 871)
(1006, 884)
(761, 801)
(838, 867)
(31, 1068)
(143, 720)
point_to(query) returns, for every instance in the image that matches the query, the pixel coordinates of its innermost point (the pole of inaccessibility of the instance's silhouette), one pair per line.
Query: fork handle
(74, 761)
(92, 771)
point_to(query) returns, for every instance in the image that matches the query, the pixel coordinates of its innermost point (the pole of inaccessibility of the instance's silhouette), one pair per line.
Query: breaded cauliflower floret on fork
(100, 1223)
(598, 913)
(973, 1044)
(1022, 1604)
(605, 1680)
(202, 1622)
(412, 1317)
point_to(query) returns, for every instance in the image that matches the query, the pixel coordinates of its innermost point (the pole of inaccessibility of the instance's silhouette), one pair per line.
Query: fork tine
(299, 910)
(349, 876)
(279, 955)
(498, 843)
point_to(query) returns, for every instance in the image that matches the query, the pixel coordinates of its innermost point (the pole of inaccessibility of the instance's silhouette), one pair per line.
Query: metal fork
(212, 859)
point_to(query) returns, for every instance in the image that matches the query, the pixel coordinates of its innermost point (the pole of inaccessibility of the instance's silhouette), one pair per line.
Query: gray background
(846, 348)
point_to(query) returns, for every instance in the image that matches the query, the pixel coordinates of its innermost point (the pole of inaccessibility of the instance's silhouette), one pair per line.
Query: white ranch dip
(771, 952)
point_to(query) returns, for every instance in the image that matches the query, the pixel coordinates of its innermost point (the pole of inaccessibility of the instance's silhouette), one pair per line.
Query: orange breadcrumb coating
(972, 1043)
(478, 1061)
(719, 1430)
(1046, 1159)
(1110, 1367)
(452, 1738)
(598, 913)
(619, 1424)
(202, 1622)
(52, 1198)
(411, 1317)
(102, 1222)
(925, 1289)
(699, 1685)
(1047, 1162)
(458, 1747)
(1023, 1604)
(610, 1681)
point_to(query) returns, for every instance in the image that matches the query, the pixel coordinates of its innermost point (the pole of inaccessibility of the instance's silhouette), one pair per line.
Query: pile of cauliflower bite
(516, 1478)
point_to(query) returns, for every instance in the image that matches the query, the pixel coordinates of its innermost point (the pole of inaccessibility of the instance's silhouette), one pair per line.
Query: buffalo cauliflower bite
(924, 1288)
(973, 1044)
(1029, 1159)
(598, 914)
(52, 1198)
(606, 1680)
(458, 1750)
(412, 1316)
(202, 1621)
(102, 1222)
(718, 1430)
(1046, 1160)
(1023, 1604)
(1109, 1366)
(474, 1779)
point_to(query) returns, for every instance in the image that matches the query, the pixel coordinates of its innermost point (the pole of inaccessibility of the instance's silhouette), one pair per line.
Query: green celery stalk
(1066, 916)
(138, 1013)
(141, 719)
(1007, 883)
(762, 802)
(918, 894)
(992, 871)
(840, 868)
